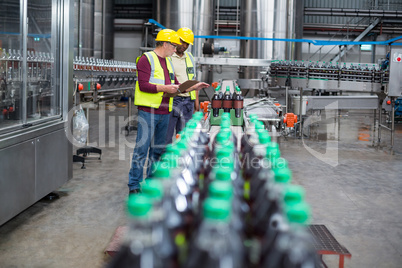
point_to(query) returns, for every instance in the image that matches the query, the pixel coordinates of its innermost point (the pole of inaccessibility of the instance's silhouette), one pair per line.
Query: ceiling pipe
(308, 11)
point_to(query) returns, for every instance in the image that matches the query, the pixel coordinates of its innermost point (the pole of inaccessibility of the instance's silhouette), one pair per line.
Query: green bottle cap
(299, 213)
(169, 160)
(279, 163)
(227, 88)
(264, 137)
(293, 194)
(198, 116)
(188, 133)
(153, 189)
(259, 125)
(221, 190)
(191, 125)
(225, 124)
(227, 144)
(283, 175)
(224, 152)
(139, 206)
(182, 143)
(172, 149)
(216, 209)
(223, 137)
(222, 173)
(273, 151)
(225, 116)
(161, 169)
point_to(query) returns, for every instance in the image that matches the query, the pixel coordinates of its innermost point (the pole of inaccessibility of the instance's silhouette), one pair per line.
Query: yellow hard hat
(186, 35)
(168, 35)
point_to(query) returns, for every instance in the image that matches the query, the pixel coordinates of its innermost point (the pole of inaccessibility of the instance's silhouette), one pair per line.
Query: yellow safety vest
(190, 64)
(157, 77)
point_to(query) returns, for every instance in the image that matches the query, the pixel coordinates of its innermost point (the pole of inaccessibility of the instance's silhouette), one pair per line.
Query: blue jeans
(151, 135)
(183, 108)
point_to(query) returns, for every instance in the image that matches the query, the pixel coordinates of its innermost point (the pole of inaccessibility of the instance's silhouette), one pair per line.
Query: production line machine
(39, 92)
(372, 83)
(100, 80)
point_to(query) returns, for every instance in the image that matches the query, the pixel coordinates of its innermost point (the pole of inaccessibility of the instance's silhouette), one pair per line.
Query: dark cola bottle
(216, 244)
(216, 101)
(238, 101)
(293, 246)
(140, 245)
(227, 101)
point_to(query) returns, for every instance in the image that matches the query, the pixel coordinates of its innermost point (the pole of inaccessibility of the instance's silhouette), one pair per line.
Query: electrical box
(395, 71)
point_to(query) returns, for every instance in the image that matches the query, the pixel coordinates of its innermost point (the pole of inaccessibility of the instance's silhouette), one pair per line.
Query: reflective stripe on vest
(157, 77)
(190, 63)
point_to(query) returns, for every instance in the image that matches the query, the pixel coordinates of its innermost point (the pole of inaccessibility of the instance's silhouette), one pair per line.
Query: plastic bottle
(238, 102)
(294, 247)
(139, 247)
(216, 101)
(291, 195)
(227, 101)
(223, 190)
(166, 248)
(215, 244)
(249, 134)
(269, 203)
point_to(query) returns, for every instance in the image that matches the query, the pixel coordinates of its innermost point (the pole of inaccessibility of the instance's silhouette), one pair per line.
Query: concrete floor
(353, 188)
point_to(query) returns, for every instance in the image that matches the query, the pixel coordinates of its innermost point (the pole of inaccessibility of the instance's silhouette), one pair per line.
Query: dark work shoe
(135, 191)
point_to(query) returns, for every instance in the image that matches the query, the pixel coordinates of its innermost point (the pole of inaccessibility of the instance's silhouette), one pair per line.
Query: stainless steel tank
(108, 29)
(198, 15)
(84, 46)
(103, 29)
(266, 19)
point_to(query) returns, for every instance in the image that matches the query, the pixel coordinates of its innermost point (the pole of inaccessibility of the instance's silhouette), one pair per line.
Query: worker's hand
(199, 86)
(168, 88)
(196, 105)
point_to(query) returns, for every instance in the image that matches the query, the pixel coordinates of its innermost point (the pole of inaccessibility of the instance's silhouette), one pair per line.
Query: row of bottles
(204, 206)
(227, 100)
(103, 65)
(330, 71)
(278, 213)
(40, 65)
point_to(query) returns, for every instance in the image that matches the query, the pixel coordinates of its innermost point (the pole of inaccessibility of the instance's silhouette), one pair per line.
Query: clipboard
(182, 88)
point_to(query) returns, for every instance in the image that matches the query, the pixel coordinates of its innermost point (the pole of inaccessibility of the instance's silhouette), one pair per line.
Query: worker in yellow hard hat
(155, 77)
(184, 104)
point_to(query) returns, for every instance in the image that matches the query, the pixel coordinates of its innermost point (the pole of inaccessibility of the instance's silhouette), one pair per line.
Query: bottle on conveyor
(216, 101)
(238, 101)
(227, 101)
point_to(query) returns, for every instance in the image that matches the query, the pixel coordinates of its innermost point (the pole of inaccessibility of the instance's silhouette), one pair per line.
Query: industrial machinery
(101, 80)
(35, 96)
(334, 77)
(39, 90)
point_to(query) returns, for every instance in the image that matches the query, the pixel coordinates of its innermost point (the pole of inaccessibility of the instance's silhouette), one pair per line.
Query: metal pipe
(237, 16)
(392, 124)
(379, 122)
(217, 26)
(374, 126)
(104, 29)
(24, 32)
(300, 113)
(351, 12)
(286, 99)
